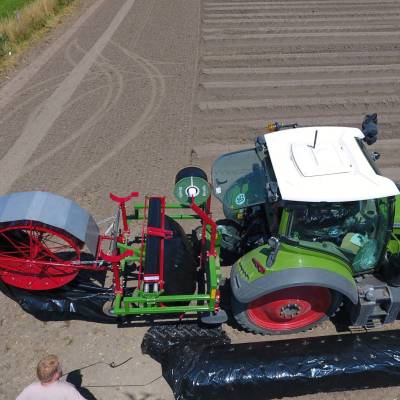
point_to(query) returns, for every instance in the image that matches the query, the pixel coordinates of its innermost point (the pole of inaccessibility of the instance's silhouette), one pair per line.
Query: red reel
(37, 257)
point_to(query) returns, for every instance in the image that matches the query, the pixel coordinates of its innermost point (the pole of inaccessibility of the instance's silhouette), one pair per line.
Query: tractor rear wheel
(290, 310)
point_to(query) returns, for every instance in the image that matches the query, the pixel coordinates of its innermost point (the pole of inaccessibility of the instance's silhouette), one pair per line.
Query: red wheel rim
(36, 257)
(290, 309)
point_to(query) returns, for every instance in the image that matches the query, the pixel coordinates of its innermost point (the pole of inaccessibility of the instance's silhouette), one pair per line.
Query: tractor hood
(324, 164)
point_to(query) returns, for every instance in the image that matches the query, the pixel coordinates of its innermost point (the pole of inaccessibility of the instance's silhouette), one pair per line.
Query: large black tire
(244, 315)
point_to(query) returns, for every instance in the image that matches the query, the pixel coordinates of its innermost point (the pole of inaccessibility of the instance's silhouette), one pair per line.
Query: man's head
(48, 369)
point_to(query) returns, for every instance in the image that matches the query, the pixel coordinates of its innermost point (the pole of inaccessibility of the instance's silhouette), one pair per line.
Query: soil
(127, 92)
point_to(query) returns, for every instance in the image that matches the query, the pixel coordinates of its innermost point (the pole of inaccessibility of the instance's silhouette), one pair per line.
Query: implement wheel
(289, 310)
(37, 257)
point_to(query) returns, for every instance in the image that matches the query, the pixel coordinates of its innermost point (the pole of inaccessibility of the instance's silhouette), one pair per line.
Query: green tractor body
(310, 224)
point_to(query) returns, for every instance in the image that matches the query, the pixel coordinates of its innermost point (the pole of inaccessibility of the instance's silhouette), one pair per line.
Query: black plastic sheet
(275, 369)
(162, 340)
(81, 299)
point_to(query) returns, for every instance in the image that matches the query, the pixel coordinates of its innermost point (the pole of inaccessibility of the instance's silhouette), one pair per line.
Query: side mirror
(274, 243)
(370, 128)
(272, 192)
(375, 156)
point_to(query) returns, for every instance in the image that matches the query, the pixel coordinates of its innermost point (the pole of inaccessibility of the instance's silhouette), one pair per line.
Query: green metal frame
(142, 303)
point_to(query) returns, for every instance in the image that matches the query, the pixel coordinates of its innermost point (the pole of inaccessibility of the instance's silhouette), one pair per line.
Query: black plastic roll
(160, 340)
(190, 171)
(285, 368)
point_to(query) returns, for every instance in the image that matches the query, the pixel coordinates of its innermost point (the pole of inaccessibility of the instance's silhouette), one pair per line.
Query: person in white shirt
(49, 386)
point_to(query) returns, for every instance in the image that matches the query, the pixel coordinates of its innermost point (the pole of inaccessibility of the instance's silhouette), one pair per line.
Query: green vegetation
(21, 19)
(8, 8)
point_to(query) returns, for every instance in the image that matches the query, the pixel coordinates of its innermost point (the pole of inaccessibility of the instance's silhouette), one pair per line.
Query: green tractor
(310, 225)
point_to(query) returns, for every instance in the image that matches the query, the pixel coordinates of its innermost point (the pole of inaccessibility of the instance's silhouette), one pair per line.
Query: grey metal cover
(52, 210)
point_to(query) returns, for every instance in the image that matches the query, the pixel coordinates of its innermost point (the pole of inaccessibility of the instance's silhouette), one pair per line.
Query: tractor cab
(335, 199)
(322, 180)
(306, 212)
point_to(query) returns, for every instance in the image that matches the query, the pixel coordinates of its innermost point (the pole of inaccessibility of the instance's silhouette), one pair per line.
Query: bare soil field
(127, 92)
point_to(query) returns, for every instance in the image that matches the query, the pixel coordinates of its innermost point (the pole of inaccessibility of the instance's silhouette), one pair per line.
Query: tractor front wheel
(290, 310)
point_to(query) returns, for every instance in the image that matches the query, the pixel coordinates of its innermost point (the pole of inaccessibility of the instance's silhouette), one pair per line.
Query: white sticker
(358, 240)
(218, 190)
(192, 191)
(240, 199)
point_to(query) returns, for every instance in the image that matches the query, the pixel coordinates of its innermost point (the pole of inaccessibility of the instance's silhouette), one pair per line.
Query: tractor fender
(245, 291)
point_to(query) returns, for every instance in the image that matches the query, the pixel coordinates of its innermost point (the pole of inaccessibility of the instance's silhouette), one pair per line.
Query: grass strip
(18, 25)
(8, 8)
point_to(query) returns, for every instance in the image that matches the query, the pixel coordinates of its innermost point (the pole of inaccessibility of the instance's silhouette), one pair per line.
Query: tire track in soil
(43, 117)
(109, 101)
(115, 84)
(308, 61)
(13, 88)
(157, 89)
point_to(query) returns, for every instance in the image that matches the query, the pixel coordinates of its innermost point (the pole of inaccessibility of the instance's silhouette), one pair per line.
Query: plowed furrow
(301, 59)
(305, 3)
(291, 30)
(305, 21)
(298, 15)
(308, 61)
(324, 71)
(293, 88)
(298, 7)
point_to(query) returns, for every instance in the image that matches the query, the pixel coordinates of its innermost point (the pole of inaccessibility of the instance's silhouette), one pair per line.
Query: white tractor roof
(334, 170)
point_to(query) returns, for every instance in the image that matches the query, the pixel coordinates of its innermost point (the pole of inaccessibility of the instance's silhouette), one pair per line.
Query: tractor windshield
(355, 231)
(239, 179)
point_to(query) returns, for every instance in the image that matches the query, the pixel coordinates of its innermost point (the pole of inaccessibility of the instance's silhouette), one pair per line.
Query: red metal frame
(33, 261)
(207, 220)
(122, 201)
(34, 265)
(142, 242)
(162, 233)
(114, 260)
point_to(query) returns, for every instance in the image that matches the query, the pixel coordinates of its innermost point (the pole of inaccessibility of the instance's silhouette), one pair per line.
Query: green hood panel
(394, 242)
(293, 266)
(291, 257)
(397, 215)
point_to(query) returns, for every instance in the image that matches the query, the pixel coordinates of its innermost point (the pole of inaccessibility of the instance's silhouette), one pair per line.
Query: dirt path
(134, 90)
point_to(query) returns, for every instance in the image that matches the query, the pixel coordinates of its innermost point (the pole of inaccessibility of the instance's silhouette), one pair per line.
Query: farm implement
(47, 240)
(310, 225)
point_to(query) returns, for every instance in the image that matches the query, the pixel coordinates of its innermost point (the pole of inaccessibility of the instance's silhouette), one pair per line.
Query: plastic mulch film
(81, 299)
(275, 369)
(162, 340)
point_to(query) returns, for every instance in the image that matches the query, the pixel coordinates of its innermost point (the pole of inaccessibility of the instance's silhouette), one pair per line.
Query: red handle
(117, 258)
(122, 200)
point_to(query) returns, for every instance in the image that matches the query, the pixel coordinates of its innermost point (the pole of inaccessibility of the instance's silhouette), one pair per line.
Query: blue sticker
(240, 199)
